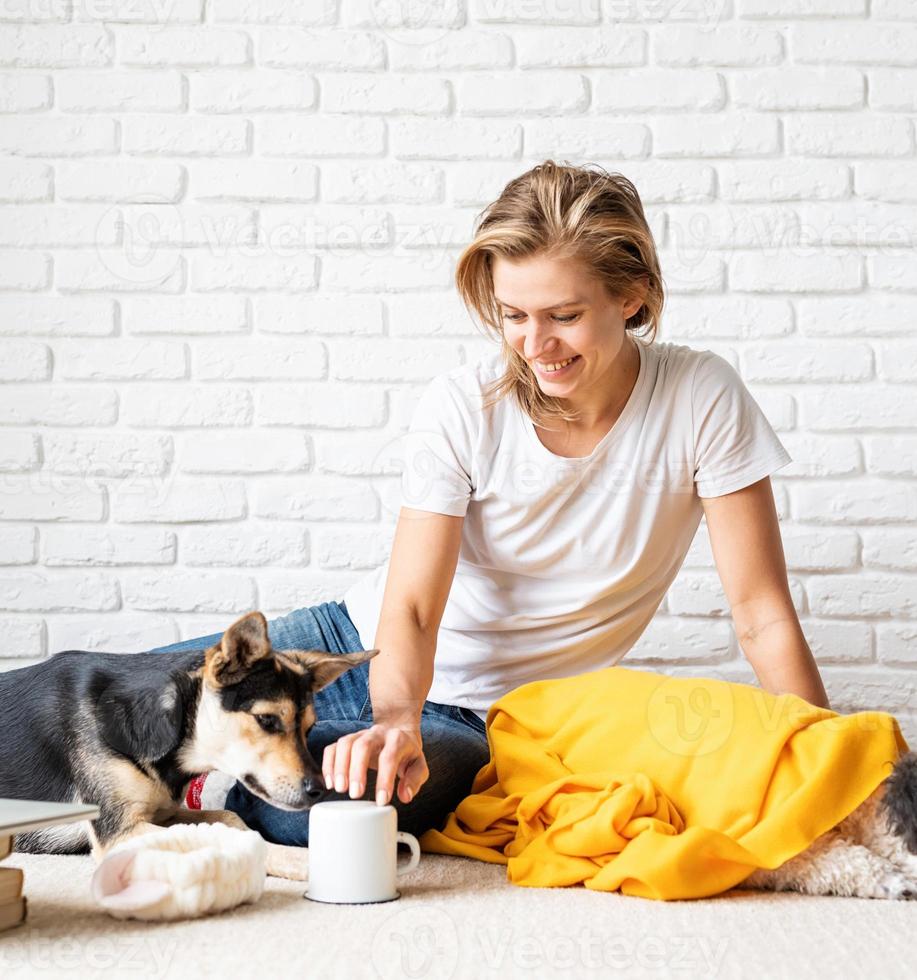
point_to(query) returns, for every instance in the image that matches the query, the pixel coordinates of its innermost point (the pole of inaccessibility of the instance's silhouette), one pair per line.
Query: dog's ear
(325, 667)
(140, 721)
(241, 646)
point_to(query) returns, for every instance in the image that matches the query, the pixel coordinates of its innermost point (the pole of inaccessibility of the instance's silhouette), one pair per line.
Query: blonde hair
(563, 212)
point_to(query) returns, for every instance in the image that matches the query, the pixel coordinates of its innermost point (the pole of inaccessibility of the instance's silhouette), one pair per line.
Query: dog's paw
(896, 886)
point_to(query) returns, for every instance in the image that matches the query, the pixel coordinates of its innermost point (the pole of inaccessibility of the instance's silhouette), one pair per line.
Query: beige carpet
(459, 918)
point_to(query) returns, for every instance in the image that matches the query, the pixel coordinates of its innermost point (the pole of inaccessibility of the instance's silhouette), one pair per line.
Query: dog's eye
(270, 723)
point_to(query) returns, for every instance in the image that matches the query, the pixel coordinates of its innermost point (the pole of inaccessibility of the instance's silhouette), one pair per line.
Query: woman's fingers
(394, 752)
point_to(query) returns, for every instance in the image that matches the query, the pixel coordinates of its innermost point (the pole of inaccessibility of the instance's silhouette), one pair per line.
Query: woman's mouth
(558, 369)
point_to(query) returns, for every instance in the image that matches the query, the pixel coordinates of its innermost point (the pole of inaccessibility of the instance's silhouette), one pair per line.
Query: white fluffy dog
(871, 853)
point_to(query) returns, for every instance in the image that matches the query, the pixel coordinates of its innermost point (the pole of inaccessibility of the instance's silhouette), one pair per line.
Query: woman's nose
(538, 340)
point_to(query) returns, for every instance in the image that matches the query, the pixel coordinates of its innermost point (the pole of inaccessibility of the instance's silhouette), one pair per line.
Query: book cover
(18, 816)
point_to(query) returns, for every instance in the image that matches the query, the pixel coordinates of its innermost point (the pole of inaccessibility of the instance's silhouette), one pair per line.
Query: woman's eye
(560, 319)
(270, 723)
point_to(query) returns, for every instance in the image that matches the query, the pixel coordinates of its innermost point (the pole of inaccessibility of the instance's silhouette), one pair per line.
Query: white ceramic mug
(353, 852)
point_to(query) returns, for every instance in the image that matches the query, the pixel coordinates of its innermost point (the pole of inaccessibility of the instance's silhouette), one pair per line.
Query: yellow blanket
(662, 787)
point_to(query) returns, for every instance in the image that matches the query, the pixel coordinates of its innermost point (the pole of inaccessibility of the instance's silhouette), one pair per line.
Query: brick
(374, 93)
(795, 270)
(826, 134)
(733, 316)
(24, 93)
(24, 270)
(217, 226)
(252, 91)
(392, 360)
(874, 407)
(789, 88)
(335, 315)
(800, 362)
(198, 136)
(722, 134)
(121, 91)
(58, 136)
(62, 591)
(131, 12)
(18, 545)
(317, 136)
(191, 315)
(259, 359)
(57, 224)
(24, 360)
(178, 406)
(602, 137)
(250, 451)
(428, 315)
(106, 546)
(113, 270)
(22, 638)
(182, 47)
(454, 51)
(67, 46)
(290, 229)
(873, 502)
(121, 632)
(18, 451)
(454, 139)
(252, 273)
(385, 183)
(731, 45)
(181, 591)
(801, 8)
(512, 93)
(861, 594)
(783, 180)
(662, 90)
(353, 549)
(24, 180)
(326, 406)
(893, 89)
(135, 181)
(67, 405)
(121, 359)
(370, 13)
(109, 454)
(177, 501)
(889, 548)
(317, 13)
(314, 498)
(336, 49)
(56, 316)
(386, 273)
(886, 180)
(594, 47)
(246, 180)
(853, 44)
(246, 547)
(856, 316)
(513, 12)
(891, 455)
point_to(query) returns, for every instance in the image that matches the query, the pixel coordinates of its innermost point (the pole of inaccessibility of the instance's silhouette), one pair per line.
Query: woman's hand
(391, 749)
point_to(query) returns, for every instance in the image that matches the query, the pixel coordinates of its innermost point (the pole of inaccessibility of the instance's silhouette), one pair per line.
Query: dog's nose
(313, 788)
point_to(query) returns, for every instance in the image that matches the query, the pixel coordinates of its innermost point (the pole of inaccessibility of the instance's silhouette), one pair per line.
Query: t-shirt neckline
(610, 435)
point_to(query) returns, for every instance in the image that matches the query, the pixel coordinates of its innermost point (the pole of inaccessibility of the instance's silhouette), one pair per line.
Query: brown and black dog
(128, 732)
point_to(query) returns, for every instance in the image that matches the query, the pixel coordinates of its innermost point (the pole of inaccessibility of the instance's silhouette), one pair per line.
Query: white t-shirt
(563, 562)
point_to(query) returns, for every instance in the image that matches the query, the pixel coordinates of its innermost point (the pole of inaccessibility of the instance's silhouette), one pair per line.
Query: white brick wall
(227, 239)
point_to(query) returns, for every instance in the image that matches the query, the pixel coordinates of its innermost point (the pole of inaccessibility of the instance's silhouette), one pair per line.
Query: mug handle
(404, 867)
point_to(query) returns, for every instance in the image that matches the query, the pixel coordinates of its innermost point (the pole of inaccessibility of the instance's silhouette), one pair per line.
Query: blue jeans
(454, 739)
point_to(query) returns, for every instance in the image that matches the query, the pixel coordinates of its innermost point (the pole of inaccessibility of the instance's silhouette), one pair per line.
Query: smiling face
(553, 310)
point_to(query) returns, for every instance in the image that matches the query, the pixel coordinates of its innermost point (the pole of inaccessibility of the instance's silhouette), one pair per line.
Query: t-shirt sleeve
(734, 444)
(437, 473)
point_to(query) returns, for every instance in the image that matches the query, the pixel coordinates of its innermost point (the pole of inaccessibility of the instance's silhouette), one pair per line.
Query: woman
(551, 492)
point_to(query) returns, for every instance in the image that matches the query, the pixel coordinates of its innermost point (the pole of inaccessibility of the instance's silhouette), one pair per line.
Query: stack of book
(16, 817)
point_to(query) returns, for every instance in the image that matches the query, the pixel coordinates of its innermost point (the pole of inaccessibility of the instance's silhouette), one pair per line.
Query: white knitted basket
(181, 872)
